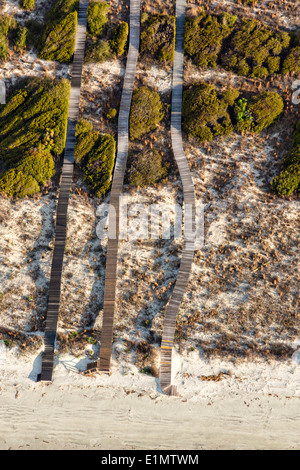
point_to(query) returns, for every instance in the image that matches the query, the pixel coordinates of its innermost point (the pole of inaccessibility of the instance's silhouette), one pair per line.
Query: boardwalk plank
(165, 373)
(116, 189)
(63, 200)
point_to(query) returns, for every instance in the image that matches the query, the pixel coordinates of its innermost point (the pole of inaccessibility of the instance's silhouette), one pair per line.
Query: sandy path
(72, 417)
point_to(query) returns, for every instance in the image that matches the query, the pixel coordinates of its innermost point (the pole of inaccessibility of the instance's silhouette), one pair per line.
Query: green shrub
(39, 164)
(112, 114)
(34, 169)
(147, 168)
(291, 63)
(35, 114)
(98, 51)
(59, 31)
(95, 154)
(230, 96)
(241, 111)
(205, 111)
(16, 183)
(60, 43)
(32, 124)
(204, 36)
(97, 17)
(265, 109)
(58, 12)
(259, 113)
(86, 138)
(158, 37)
(21, 38)
(273, 64)
(3, 47)
(119, 38)
(259, 71)
(146, 112)
(254, 49)
(289, 179)
(27, 4)
(35, 31)
(99, 165)
(7, 24)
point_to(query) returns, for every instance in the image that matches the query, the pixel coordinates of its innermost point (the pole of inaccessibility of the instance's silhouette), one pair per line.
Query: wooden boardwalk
(189, 207)
(63, 199)
(103, 364)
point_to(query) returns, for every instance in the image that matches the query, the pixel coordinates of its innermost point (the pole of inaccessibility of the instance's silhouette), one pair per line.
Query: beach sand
(251, 406)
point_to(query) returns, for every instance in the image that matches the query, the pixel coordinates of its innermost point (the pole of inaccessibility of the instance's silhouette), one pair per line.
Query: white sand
(254, 406)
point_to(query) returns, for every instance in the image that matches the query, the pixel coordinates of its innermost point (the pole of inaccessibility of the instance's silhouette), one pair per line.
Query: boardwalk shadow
(36, 368)
(94, 306)
(36, 265)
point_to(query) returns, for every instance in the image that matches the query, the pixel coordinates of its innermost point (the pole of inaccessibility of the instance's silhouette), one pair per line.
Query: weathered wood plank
(189, 199)
(63, 200)
(117, 186)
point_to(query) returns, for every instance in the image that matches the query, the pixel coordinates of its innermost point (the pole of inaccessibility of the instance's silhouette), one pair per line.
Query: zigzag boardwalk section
(103, 364)
(189, 208)
(63, 199)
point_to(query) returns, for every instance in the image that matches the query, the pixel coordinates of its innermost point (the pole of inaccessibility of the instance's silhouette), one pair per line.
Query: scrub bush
(95, 154)
(119, 38)
(158, 37)
(97, 17)
(254, 49)
(27, 4)
(146, 112)
(60, 43)
(289, 179)
(147, 168)
(205, 111)
(204, 36)
(36, 114)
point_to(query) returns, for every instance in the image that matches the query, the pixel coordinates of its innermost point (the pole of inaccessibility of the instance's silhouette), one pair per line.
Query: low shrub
(112, 114)
(95, 154)
(36, 114)
(97, 17)
(60, 43)
(265, 109)
(204, 36)
(98, 51)
(33, 124)
(119, 38)
(146, 112)
(85, 140)
(147, 168)
(38, 163)
(291, 63)
(158, 37)
(25, 179)
(99, 165)
(230, 95)
(21, 38)
(27, 4)
(7, 25)
(17, 183)
(4, 48)
(59, 32)
(205, 111)
(289, 179)
(254, 49)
